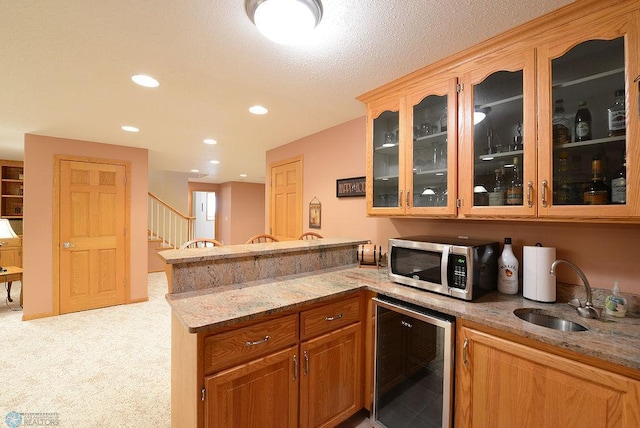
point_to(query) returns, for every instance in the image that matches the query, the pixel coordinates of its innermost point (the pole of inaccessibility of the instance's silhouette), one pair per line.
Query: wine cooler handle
(465, 345)
(400, 199)
(544, 193)
(529, 190)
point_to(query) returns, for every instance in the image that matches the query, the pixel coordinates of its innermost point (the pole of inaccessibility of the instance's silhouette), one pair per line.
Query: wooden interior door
(286, 199)
(91, 222)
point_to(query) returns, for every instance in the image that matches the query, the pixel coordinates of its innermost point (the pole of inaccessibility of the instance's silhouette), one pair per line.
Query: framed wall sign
(315, 213)
(348, 187)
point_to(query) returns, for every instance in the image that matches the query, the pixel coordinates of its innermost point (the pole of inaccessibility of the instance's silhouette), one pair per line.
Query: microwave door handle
(444, 267)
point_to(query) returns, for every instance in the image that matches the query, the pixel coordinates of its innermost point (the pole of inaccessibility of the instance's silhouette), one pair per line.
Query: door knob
(68, 245)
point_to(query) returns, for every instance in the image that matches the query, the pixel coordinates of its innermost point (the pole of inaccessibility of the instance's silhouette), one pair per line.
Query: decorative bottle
(508, 270)
(615, 304)
(617, 115)
(619, 184)
(562, 186)
(443, 119)
(596, 192)
(514, 190)
(561, 131)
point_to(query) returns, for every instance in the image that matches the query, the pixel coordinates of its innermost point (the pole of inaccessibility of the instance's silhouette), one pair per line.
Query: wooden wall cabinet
(583, 51)
(12, 193)
(301, 369)
(501, 383)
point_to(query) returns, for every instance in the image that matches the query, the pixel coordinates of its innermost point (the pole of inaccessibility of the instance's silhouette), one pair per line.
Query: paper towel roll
(537, 283)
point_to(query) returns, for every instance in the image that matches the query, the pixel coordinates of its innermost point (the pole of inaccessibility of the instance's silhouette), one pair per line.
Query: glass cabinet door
(498, 174)
(586, 126)
(431, 167)
(385, 176)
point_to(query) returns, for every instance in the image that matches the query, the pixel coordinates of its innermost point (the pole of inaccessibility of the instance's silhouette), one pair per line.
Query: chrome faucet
(588, 310)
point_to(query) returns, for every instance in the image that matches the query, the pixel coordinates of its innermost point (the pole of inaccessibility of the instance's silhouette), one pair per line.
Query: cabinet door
(385, 151)
(498, 147)
(330, 383)
(259, 394)
(585, 62)
(505, 384)
(430, 164)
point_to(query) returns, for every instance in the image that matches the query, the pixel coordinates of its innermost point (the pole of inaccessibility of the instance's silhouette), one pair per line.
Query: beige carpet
(101, 368)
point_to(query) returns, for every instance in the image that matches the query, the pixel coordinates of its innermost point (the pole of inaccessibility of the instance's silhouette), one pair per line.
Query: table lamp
(6, 232)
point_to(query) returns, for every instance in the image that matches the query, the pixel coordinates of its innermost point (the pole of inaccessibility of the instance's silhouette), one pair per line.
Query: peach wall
(39, 152)
(604, 252)
(246, 214)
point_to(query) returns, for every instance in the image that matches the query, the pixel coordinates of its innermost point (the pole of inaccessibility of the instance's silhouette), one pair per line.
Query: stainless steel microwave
(457, 267)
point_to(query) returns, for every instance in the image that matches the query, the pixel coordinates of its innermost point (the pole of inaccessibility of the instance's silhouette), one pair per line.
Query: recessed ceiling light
(144, 80)
(243, 175)
(129, 128)
(258, 110)
(195, 170)
(210, 141)
(215, 162)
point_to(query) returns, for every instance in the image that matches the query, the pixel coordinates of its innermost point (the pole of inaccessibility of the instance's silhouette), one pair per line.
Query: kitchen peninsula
(231, 338)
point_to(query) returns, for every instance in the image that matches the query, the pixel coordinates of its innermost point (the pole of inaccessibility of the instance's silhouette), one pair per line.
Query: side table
(13, 273)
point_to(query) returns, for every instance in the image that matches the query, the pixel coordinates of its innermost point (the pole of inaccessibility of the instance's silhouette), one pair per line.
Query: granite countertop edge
(612, 340)
(194, 255)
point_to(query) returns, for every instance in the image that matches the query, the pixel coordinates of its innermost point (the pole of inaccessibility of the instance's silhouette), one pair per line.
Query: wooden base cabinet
(330, 383)
(301, 369)
(500, 383)
(260, 394)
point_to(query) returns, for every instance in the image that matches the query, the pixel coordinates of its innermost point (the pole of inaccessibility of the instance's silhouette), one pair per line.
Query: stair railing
(167, 224)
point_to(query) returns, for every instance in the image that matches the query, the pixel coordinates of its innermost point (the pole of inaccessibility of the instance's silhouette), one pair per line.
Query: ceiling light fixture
(284, 21)
(258, 110)
(209, 141)
(144, 80)
(129, 128)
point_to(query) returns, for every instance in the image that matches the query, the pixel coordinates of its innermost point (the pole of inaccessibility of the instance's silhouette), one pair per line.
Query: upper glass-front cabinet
(413, 152)
(498, 170)
(584, 134)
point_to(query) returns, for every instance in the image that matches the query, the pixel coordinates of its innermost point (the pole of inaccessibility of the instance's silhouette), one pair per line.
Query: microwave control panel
(457, 272)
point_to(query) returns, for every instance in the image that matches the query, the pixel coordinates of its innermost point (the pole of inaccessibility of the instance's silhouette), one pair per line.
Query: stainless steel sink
(538, 317)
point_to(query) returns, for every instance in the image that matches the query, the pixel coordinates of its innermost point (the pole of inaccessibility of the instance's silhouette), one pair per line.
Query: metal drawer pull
(529, 189)
(400, 199)
(306, 363)
(295, 367)
(464, 353)
(544, 193)
(337, 317)
(257, 342)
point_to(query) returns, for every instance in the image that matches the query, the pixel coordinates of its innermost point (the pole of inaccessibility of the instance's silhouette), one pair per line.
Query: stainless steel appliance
(413, 384)
(457, 267)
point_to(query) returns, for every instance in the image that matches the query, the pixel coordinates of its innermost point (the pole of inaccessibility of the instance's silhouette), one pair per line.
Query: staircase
(167, 229)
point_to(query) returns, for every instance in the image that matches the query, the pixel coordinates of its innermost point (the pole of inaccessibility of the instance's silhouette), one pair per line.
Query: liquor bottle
(596, 192)
(619, 184)
(561, 131)
(562, 186)
(508, 270)
(497, 196)
(617, 115)
(583, 122)
(514, 190)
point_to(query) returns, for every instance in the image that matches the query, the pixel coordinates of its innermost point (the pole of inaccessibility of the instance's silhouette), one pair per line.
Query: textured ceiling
(65, 68)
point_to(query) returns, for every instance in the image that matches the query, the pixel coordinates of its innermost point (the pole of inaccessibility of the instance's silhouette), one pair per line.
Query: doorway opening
(204, 210)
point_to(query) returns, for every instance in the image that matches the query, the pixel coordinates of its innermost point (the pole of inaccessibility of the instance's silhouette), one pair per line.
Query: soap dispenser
(615, 304)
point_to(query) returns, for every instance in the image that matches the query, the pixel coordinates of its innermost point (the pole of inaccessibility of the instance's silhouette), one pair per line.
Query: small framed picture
(315, 214)
(349, 187)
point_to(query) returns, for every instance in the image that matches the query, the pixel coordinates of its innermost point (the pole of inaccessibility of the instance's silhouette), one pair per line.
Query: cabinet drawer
(329, 317)
(247, 343)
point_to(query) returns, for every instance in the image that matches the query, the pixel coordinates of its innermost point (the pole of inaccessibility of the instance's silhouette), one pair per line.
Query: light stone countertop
(616, 340)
